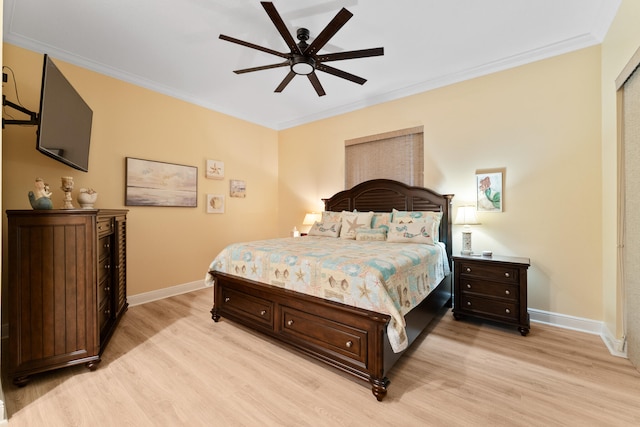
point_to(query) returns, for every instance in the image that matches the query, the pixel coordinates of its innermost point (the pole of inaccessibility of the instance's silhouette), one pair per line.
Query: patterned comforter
(384, 277)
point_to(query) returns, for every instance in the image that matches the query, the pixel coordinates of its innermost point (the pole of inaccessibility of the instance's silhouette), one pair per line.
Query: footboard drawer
(326, 336)
(247, 307)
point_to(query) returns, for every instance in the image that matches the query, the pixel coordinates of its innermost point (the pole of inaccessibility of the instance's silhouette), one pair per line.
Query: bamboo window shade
(397, 155)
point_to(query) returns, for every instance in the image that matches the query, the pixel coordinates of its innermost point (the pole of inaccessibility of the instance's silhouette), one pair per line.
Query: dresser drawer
(104, 247)
(105, 226)
(104, 269)
(489, 271)
(104, 291)
(104, 314)
(247, 307)
(492, 307)
(486, 288)
(324, 335)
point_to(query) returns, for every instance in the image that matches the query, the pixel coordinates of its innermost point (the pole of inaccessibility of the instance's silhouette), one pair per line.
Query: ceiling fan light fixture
(303, 65)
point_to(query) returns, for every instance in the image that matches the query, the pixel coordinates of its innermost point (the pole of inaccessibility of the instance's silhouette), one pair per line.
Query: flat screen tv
(64, 128)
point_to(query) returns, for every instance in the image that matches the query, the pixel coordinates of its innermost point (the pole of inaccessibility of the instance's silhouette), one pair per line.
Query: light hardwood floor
(168, 364)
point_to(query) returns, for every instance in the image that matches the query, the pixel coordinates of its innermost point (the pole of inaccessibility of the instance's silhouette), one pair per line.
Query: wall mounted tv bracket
(33, 116)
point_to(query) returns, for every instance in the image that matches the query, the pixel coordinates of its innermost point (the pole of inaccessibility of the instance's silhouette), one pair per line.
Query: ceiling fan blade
(364, 53)
(280, 26)
(313, 78)
(329, 31)
(285, 82)
(263, 67)
(253, 46)
(340, 73)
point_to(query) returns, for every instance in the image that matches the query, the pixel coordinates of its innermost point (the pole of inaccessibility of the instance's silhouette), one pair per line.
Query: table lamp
(311, 218)
(466, 216)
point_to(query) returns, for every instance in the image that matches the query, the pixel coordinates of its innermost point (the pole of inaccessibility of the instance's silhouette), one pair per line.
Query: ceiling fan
(303, 58)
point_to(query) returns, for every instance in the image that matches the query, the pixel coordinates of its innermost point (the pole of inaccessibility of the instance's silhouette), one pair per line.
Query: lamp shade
(466, 216)
(311, 218)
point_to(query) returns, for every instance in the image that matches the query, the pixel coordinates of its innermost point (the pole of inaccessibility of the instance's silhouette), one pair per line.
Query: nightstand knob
(227, 299)
(506, 310)
(349, 344)
(468, 269)
(289, 322)
(507, 275)
(263, 312)
(468, 285)
(507, 292)
(468, 303)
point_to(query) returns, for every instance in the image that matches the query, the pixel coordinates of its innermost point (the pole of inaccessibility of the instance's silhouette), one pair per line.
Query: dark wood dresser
(67, 287)
(493, 288)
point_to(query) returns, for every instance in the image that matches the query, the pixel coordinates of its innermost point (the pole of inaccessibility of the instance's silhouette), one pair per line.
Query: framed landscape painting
(152, 183)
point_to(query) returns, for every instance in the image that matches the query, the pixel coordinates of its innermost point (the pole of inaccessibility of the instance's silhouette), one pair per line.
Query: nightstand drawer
(491, 289)
(491, 307)
(489, 271)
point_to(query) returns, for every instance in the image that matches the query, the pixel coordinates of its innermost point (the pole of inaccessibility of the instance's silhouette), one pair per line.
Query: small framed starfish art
(215, 169)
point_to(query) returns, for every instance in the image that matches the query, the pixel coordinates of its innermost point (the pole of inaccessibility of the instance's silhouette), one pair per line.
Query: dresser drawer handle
(349, 344)
(468, 269)
(468, 285)
(506, 310)
(107, 266)
(468, 303)
(263, 312)
(507, 292)
(507, 275)
(289, 322)
(227, 299)
(106, 245)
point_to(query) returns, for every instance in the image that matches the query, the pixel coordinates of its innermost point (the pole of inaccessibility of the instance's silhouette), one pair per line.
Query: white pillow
(326, 229)
(330, 216)
(372, 235)
(353, 221)
(408, 217)
(416, 232)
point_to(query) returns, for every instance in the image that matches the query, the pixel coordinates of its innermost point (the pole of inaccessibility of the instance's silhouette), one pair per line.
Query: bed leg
(379, 387)
(214, 314)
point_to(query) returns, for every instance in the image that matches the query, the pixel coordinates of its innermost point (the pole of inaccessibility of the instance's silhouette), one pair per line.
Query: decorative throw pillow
(325, 229)
(416, 232)
(372, 235)
(353, 221)
(381, 220)
(328, 216)
(408, 217)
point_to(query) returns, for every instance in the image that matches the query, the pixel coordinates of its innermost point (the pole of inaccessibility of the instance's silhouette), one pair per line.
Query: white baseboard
(615, 346)
(171, 291)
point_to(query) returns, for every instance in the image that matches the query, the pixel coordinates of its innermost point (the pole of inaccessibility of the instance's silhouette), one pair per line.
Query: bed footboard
(348, 338)
(345, 337)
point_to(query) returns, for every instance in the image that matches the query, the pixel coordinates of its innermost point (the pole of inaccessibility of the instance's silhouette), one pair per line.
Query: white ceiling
(172, 46)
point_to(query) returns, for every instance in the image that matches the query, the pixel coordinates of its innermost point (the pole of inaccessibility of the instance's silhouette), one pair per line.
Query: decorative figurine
(87, 197)
(41, 200)
(67, 186)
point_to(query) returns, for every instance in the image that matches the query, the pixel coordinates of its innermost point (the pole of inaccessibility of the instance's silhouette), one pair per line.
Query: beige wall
(550, 124)
(541, 122)
(622, 40)
(166, 246)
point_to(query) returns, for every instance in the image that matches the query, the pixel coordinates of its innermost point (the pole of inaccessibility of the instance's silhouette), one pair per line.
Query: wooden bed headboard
(384, 195)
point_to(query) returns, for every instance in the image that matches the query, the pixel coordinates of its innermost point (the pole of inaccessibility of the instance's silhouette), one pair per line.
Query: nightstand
(493, 288)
